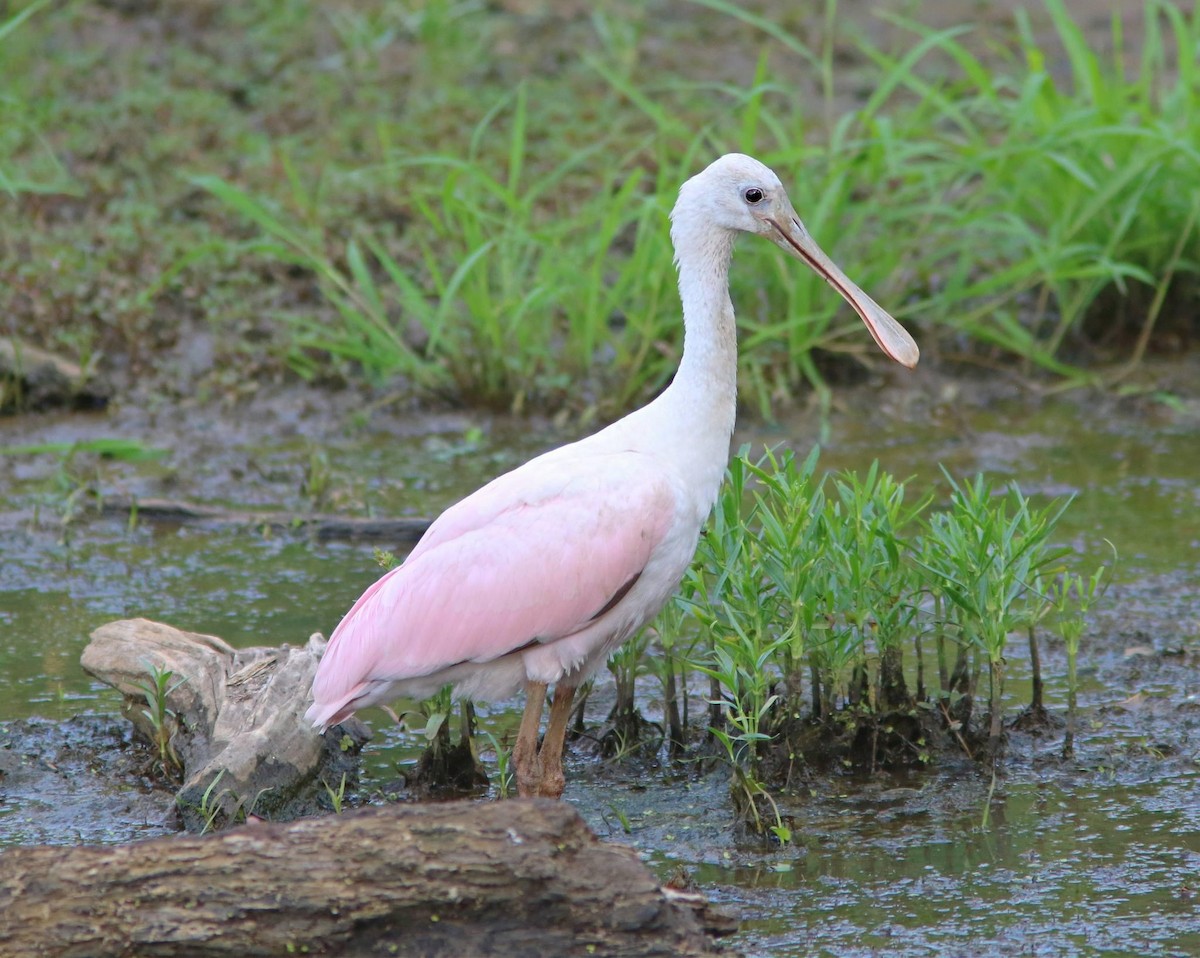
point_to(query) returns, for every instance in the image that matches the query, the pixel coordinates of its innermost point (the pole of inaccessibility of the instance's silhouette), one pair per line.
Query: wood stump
(233, 717)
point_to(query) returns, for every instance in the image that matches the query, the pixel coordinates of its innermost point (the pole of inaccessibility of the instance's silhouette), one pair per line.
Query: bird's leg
(525, 751)
(550, 755)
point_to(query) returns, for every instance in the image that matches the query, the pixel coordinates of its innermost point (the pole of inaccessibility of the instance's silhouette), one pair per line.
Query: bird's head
(736, 193)
(739, 194)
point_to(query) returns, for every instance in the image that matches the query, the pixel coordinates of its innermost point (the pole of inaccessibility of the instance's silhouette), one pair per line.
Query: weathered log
(323, 526)
(44, 379)
(234, 718)
(461, 879)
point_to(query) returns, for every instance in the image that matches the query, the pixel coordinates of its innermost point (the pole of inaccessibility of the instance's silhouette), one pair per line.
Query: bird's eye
(753, 195)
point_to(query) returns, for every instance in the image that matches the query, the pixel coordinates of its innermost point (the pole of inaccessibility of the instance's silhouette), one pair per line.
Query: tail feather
(324, 715)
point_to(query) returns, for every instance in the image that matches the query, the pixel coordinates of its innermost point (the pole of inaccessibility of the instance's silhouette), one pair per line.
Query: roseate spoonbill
(535, 578)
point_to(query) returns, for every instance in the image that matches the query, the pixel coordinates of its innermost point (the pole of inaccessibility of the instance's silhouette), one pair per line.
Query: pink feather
(517, 562)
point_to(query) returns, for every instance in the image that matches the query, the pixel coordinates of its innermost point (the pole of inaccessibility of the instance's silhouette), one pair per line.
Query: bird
(537, 577)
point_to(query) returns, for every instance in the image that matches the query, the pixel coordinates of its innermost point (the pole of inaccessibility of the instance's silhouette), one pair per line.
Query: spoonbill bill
(537, 577)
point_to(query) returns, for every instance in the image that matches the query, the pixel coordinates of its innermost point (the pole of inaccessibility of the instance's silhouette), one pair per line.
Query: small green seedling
(1072, 596)
(163, 720)
(337, 797)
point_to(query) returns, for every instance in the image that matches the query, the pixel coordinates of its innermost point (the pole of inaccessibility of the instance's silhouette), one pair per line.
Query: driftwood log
(511, 878)
(33, 378)
(323, 526)
(232, 718)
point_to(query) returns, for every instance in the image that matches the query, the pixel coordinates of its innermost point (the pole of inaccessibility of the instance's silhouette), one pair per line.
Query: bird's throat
(707, 375)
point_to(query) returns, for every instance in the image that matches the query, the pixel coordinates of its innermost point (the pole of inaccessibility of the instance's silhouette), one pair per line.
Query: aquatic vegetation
(336, 796)
(624, 730)
(500, 302)
(502, 756)
(444, 764)
(1072, 596)
(829, 580)
(667, 659)
(985, 554)
(1083, 170)
(217, 809)
(210, 808)
(72, 490)
(122, 450)
(1083, 167)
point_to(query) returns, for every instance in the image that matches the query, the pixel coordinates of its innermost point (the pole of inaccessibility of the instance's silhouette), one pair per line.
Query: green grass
(1071, 596)
(1068, 187)
(370, 192)
(161, 719)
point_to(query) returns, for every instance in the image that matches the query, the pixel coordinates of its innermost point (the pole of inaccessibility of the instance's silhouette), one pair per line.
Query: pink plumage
(515, 568)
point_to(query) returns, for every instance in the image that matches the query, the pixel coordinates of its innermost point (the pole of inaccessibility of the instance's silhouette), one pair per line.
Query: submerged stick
(323, 526)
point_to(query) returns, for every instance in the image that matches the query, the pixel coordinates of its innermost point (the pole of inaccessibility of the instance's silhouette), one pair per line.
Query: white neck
(707, 375)
(691, 421)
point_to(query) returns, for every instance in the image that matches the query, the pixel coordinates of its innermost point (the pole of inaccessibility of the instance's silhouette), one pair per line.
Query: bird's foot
(552, 783)
(538, 779)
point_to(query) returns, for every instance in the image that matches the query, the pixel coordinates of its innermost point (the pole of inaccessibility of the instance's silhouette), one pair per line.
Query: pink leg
(525, 751)
(551, 754)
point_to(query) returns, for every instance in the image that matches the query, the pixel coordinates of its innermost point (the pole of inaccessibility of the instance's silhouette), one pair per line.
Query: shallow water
(58, 582)
(1082, 869)
(1098, 856)
(1061, 872)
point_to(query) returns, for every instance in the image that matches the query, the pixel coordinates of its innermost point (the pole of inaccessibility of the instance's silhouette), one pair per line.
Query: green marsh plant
(669, 661)
(502, 238)
(986, 554)
(508, 294)
(865, 529)
(1068, 186)
(836, 582)
(336, 796)
(1072, 595)
(211, 805)
(626, 726)
(504, 770)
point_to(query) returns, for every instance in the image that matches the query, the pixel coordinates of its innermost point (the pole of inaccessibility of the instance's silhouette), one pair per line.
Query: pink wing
(532, 556)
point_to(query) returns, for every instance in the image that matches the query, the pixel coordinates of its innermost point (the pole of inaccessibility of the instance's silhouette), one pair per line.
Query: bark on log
(512, 878)
(323, 526)
(234, 717)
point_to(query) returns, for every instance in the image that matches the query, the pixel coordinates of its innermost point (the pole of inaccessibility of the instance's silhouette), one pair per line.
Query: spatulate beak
(891, 337)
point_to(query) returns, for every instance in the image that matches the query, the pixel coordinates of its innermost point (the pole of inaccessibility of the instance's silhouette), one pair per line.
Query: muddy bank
(79, 780)
(298, 448)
